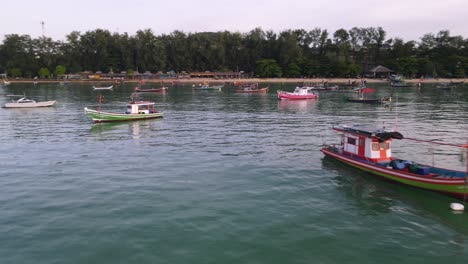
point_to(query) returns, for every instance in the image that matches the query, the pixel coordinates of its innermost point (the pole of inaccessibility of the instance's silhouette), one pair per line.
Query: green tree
(60, 70)
(15, 72)
(268, 68)
(44, 73)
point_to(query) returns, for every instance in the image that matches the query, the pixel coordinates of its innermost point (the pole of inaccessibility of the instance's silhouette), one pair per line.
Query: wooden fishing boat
(252, 90)
(103, 88)
(152, 90)
(24, 102)
(370, 100)
(445, 86)
(400, 84)
(300, 93)
(136, 110)
(369, 149)
(457, 82)
(206, 87)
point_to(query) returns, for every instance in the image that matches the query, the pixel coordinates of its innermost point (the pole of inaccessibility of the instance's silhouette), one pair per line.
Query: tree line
(289, 53)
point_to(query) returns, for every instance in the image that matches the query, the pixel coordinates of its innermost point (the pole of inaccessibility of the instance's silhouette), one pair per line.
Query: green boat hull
(103, 117)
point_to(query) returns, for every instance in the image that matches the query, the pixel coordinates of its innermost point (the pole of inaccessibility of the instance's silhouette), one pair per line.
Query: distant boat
(24, 102)
(152, 90)
(103, 88)
(383, 100)
(459, 82)
(252, 90)
(207, 87)
(6, 82)
(400, 84)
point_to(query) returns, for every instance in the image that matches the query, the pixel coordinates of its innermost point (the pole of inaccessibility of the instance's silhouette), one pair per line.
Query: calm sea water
(223, 178)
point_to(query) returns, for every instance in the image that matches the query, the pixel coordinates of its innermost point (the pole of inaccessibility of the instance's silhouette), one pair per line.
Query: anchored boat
(136, 110)
(299, 93)
(369, 149)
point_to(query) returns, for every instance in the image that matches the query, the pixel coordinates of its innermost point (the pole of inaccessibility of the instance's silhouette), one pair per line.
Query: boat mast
(100, 102)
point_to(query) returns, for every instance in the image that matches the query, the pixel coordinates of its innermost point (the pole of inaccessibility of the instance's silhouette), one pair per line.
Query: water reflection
(375, 195)
(297, 106)
(136, 129)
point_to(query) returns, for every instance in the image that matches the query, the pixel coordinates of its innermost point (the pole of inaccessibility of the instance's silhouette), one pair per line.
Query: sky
(406, 19)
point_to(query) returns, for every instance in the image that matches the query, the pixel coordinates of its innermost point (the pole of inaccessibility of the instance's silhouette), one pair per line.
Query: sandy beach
(250, 80)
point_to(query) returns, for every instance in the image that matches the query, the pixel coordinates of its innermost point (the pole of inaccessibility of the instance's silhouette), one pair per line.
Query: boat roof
(366, 130)
(141, 103)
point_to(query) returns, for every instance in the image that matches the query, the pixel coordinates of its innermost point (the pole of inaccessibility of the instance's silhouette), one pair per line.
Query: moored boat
(383, 100)
(24, 102)
(299, 93)
(103, 88)
(369, 149)
(152, 90)
(207, 87)
(136, 110)
(252, 90)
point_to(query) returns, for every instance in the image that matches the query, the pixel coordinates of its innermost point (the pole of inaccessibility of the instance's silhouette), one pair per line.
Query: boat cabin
(367, 143)
(140, 107)
(303, 90)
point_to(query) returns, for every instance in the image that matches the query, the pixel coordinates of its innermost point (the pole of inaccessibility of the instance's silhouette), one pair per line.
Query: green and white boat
(135, 111)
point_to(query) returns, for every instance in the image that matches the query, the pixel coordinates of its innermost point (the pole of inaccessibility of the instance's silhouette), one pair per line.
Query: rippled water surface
(223, 178)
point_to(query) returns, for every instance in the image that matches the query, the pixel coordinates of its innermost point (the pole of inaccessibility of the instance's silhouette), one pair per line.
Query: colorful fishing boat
(252, 90)
(369, 149)
(152, 90)
(300, 93)
(136, 110)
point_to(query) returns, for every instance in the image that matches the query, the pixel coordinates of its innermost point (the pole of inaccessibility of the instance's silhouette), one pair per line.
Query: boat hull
(452, 186)
(30, 105)
(105, 117)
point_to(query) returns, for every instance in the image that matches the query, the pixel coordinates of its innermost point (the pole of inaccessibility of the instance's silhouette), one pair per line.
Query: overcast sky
(407, 19)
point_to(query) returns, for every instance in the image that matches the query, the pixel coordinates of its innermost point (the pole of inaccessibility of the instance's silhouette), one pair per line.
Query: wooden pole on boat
(100, 102)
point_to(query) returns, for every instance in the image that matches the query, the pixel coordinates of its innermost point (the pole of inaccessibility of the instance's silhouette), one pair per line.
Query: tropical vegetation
(289, 53)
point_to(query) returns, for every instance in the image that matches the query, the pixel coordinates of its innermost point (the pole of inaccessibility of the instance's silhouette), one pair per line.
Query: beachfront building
(380, 72)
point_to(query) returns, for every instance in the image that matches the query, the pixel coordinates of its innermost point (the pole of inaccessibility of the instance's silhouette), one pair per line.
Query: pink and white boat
(299, 93)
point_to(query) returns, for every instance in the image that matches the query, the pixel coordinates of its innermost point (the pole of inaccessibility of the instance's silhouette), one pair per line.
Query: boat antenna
(396, 113)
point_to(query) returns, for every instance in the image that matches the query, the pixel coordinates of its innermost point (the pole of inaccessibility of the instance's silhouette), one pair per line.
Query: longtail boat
(103, 88)
(152, 90)
(369, 149)
(252, 90)
(136, 110)
(384, 100)
(299, 93)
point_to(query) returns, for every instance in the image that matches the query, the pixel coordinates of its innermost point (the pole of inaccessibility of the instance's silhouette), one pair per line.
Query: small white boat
(103, 88)
(24, 102)
(6, 82)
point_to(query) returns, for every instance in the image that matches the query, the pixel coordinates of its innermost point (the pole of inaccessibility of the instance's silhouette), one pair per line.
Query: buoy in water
(457, 206)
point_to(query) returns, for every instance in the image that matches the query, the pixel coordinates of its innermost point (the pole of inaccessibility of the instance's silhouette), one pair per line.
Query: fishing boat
(24, 102)
(400, 84)
(457, 82)
(299, 93)
(384, 100)
(252, 90)
(103, 88)
(136, 110)
(207, 87)
(152, 90)
(6, 82)
(369, 149)
(363, 89)
(445, 86)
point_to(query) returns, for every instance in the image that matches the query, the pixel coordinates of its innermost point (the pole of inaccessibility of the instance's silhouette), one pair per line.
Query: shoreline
(248, 80)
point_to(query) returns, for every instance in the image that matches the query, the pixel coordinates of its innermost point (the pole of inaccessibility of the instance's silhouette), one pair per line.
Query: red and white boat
(299, 93)
(369, 149)
(152, 90)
